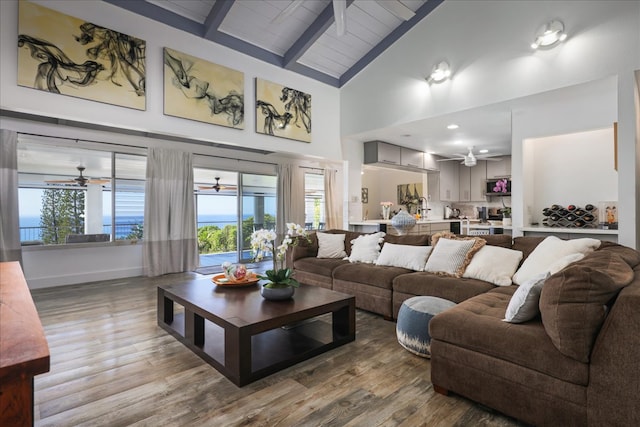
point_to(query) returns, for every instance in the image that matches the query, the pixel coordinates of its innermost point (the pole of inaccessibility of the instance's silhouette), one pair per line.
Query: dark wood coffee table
(246, 337)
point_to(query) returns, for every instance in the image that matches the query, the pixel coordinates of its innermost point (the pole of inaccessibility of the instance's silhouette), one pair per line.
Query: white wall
(59, 266)
(487, 45)
(575, 169)
(325, 99)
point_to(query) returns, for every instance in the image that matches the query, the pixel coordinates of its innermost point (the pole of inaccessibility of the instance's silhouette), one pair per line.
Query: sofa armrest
(614, 376)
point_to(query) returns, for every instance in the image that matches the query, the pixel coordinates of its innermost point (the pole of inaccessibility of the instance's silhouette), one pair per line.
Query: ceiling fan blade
(288, 11)
(60, 181)
(340, 16)
(98, 181)
(397, 9)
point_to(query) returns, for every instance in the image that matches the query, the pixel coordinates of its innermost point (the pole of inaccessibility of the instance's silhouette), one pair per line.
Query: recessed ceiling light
(453, 126)
(484, 151)
(439, 73)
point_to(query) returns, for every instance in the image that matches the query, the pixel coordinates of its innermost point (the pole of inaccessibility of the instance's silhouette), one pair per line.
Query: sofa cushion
(523, 305)
(549, 252)
(321, 266)
(451, 288)
(573, 301)
(502, 240)
(408, 239)
(476, 325)
(630, 256)
(366, 248)
(367, 274)
(405, 256)
(526, 245)
(451, 255)
(331, 245)
(494, 264)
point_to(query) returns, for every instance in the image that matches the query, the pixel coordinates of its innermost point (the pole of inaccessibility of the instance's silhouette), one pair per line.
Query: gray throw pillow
(523, 305)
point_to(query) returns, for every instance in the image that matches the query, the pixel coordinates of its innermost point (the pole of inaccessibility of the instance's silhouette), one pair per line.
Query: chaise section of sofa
(519, 369)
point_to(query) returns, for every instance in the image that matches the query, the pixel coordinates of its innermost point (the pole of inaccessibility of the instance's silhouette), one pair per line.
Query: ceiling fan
(471, 159)
(80, 180)
(395, 7)
(217, 186)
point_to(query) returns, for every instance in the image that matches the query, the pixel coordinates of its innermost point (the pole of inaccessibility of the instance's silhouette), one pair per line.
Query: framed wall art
(282, 111)
(58, 53)
(200, 90)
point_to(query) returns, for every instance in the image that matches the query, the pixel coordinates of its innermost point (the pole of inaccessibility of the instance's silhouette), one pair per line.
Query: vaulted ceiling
(304, 36)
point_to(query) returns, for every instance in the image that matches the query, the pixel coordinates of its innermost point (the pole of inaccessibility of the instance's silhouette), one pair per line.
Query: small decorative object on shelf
(403, 222)
(263, 243)
(608, 215)
(570, 217)
(386, 209)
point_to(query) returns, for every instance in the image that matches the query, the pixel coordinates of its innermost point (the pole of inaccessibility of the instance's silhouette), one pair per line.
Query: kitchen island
(423, 226)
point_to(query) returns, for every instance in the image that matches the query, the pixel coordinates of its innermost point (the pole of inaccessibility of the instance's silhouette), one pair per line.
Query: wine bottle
(589, 207)
(571, 208)
(580, 223)
(546, 211)
(554, 217)
(588, 218)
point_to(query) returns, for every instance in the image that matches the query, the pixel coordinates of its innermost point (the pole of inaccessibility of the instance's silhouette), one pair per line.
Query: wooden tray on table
(250, 279)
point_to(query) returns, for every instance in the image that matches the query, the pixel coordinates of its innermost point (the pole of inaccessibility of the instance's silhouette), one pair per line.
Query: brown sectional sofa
(581, 370)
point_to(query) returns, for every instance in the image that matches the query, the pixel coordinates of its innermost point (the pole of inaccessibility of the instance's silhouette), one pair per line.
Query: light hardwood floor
(111, 365)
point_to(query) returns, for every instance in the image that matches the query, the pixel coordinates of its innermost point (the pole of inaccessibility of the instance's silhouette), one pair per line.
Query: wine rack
(570, 216)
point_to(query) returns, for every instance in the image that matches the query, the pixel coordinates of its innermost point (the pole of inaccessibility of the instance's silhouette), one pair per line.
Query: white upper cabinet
(477, 180)
(499, 168)
(449, 181)
(411, 158)
(381, 152)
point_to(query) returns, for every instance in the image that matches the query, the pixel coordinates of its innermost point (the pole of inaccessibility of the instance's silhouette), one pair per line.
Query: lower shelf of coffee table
(271, 350)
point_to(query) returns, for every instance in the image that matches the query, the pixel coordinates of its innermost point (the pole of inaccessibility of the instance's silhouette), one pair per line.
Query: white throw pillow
(494, 264)
(331, 245)
(525, 300)
(405, 256)
(448, 256)
(366, 248)
(548, 252)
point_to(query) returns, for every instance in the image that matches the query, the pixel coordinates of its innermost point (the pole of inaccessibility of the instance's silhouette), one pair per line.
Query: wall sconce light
(549, 34)
(439, 73)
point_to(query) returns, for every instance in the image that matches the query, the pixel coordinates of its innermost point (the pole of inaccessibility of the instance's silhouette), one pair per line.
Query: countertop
(543, 229)
(420, 221)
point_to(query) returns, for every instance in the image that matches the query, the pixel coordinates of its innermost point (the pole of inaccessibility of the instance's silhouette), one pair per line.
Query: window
(72, 194)
(314, 201)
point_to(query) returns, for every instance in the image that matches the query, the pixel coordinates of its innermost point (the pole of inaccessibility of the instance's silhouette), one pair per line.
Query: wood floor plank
(111, 365)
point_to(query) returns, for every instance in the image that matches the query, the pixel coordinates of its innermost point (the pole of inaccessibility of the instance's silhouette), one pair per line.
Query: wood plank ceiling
(299, 35)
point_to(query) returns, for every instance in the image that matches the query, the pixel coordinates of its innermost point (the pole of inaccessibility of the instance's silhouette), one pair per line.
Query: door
(257, 209)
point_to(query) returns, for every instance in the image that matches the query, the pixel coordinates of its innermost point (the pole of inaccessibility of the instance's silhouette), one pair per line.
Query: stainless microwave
(491, 184)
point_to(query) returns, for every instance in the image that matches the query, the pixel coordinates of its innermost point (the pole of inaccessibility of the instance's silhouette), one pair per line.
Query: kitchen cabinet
(381, 152)
(499, 168)
(423, 228)
(411, 158)
(449, 181)
(477, 180)
(464, 178)
(430, 162)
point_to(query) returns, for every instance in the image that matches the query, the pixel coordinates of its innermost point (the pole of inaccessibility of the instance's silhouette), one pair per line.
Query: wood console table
(24, 352)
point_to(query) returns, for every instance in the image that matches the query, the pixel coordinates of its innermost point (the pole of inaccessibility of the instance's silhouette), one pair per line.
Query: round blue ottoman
(412, 328)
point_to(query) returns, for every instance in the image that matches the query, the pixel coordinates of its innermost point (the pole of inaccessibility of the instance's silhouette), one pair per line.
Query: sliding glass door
(230, 206)
(258, 209)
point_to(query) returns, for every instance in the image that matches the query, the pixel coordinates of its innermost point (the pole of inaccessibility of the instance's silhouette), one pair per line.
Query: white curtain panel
(10, 249)
(332, 207)
(170, 239)
(290, 197)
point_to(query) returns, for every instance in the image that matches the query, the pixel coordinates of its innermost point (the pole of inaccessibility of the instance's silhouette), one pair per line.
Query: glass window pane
(314, 201)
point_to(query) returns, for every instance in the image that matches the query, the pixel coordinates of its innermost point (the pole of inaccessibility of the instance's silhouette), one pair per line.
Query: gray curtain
(290, 197)
(332, 206)
(170, 242)
(10, 249)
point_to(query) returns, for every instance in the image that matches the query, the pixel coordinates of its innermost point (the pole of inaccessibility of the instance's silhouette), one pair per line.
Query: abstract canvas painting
(200, 90)
(282, 111)
(409, 195)
(62, 54)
